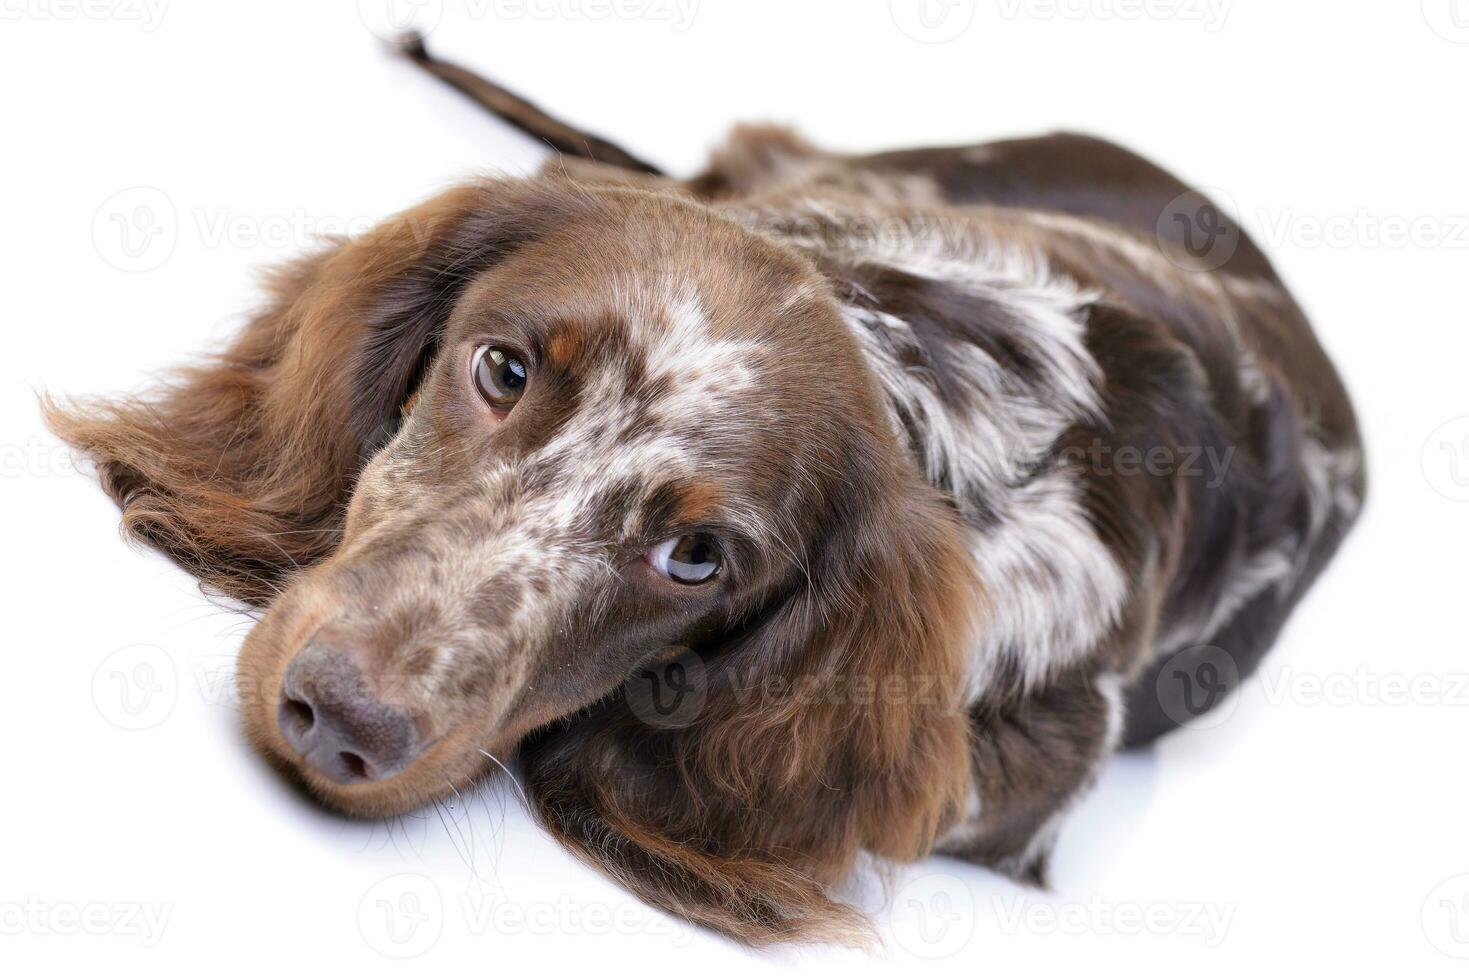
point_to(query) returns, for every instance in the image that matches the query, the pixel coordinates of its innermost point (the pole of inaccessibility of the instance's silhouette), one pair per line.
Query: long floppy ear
(241, 468)
(833, 726)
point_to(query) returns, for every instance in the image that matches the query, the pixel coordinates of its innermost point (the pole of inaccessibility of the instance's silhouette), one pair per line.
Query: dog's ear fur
(241, 468)
(831, 726)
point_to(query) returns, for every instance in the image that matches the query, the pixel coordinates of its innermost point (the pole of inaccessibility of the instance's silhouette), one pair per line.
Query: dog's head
(486, 463)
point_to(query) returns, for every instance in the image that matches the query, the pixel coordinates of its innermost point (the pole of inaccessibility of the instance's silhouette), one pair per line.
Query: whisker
(524, 799)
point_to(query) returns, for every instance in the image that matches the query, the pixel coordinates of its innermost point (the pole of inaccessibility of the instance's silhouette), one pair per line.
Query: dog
(815, 506)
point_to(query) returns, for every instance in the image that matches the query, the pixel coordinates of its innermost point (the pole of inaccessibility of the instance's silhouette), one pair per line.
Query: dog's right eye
(687, 560)
(499, 377)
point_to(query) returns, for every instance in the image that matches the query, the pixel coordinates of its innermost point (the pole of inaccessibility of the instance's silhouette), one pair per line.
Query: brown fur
(248, 471)
(692, 370)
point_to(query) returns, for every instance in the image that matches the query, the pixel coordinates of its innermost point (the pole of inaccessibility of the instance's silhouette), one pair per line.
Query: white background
(1321, 826)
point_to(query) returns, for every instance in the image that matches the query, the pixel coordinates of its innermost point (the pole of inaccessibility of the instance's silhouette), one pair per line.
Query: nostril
(298, 714)
(296, 720)
(354, 765)
(340, 727)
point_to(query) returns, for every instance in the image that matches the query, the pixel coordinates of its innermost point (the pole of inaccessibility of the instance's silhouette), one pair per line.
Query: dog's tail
(520, 113)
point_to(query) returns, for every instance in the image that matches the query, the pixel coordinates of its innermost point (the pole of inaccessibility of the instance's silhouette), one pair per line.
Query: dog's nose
(328, 714)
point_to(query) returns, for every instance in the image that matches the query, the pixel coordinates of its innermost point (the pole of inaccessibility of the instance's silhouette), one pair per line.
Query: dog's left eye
(499, 376)
(688, 560)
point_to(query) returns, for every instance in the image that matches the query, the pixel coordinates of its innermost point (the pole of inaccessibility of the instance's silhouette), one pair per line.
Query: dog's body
(1134, 458)
(1151, 452)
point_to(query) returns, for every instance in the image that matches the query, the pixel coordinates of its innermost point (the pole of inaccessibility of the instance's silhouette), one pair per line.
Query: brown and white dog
(813, 506)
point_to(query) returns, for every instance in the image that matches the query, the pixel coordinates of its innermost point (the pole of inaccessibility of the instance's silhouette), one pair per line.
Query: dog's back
(1227, 466)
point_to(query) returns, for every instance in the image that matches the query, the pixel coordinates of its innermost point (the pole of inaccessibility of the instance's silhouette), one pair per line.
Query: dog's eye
(689, 560)
(498, 376)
